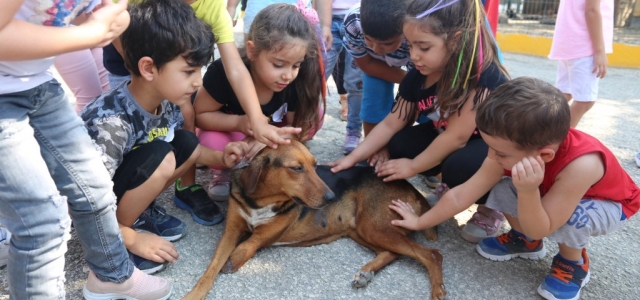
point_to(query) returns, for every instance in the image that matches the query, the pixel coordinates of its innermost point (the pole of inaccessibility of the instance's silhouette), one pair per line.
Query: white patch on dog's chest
(257, 217)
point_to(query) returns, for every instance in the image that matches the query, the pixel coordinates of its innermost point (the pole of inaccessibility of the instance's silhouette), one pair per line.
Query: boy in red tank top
(566, 185)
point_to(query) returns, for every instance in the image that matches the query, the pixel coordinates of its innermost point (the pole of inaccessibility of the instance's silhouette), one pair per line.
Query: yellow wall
(626, 56)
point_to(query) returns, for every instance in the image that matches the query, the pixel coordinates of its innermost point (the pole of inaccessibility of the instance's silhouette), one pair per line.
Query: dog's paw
(361, 279)
(227, 268)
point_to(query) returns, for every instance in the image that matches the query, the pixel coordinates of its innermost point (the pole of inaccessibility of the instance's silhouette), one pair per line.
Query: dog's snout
(329, 196)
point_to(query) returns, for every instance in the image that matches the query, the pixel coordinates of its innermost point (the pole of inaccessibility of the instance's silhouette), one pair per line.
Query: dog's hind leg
(396, 242)
(366, 273)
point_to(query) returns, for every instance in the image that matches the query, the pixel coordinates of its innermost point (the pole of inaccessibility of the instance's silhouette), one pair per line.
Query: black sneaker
(156, 220)
(145, 265)
(195, 200)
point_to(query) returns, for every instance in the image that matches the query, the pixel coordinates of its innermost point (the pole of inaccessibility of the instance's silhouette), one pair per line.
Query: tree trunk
(623, 14)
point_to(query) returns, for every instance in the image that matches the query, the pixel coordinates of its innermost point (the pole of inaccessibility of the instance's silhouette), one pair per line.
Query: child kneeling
(567, 185)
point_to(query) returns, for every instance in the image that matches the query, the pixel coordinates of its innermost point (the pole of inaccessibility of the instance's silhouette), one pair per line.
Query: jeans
(51, 170)
(352, 74)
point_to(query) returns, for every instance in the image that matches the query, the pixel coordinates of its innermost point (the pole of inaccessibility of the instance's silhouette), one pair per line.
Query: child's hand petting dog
(233, 153)
(408, 214)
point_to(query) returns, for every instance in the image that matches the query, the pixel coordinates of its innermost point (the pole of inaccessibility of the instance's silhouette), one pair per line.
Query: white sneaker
(5, 236)
(637, 158)
(139, 286)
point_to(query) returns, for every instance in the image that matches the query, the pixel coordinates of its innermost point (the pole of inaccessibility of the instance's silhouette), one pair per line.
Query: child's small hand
(341, 164)
(271, 135)
(600, 63)
(379, 157)
(153, 247)
(233, 153)
(409, 217)
(528, 173)
(394, 169)
(109, 20)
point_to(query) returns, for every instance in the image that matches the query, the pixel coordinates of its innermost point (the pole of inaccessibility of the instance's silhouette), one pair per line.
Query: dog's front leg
(235, 228)
(262, 236)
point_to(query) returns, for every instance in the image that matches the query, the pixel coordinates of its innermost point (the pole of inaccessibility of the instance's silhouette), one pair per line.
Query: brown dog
(280, 199)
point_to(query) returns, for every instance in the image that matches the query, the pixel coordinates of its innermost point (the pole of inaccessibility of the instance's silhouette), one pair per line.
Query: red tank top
(616, 185)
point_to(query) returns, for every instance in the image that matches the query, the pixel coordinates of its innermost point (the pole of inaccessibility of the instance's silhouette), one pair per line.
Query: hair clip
(309, 13)
(441, 4)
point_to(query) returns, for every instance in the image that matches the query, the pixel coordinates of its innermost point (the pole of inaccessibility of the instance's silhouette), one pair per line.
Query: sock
(577, 262)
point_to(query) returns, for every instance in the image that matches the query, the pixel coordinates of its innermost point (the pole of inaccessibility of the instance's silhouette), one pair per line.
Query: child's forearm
(379, 69)
(210, 157)
(535, 222)
(218, 121)
(241, 82)
(25, 41)
(594, 25)
(445, 209)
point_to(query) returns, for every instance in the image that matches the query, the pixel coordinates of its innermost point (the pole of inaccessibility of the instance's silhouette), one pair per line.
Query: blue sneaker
(510, 245)
(156, 220)
(146, 266)
(566, 278)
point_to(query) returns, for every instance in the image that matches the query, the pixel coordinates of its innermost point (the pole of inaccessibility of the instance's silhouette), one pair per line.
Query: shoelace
(563, 275)
(157, 212)
(505, 238)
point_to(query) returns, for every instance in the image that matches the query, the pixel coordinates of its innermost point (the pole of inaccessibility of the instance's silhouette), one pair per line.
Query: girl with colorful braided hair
(456, 66)
(283, 55)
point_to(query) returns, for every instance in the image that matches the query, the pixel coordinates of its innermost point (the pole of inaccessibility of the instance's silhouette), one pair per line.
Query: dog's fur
(281, 198)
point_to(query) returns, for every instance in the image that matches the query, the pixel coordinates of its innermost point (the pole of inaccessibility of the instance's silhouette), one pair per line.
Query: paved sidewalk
(325, 271)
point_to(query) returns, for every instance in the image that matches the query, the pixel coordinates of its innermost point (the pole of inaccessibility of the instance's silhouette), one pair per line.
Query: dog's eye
(297, 169)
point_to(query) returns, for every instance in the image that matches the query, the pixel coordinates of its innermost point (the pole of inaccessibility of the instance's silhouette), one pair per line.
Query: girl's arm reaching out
(25, 41)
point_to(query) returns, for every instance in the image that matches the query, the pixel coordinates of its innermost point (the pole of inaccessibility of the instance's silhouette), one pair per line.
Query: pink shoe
(219, 187)
(486, 222)
(139, 286)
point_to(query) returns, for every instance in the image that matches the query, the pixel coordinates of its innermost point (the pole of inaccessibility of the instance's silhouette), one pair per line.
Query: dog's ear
(250, 176)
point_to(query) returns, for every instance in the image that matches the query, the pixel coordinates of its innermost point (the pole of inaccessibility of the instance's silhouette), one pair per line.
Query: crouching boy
(558, 183)
(137, 127)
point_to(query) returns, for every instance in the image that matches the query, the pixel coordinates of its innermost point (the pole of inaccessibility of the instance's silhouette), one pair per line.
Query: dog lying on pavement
(283, 198)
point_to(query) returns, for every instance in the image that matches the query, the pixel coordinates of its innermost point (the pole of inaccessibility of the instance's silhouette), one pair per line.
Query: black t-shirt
(215, 82)
(411, 89)
(113, 62)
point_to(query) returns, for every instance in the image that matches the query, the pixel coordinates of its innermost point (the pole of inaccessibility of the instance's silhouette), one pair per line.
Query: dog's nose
(329, 196)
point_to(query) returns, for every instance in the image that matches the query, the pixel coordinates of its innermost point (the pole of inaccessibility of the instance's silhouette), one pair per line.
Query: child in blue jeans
(51, 171)
(351, 79)
(373, 36)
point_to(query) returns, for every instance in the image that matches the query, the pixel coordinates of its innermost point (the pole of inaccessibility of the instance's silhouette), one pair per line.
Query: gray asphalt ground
(325, 271)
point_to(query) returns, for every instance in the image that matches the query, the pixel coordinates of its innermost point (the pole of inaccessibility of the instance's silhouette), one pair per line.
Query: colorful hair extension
(475, 41)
